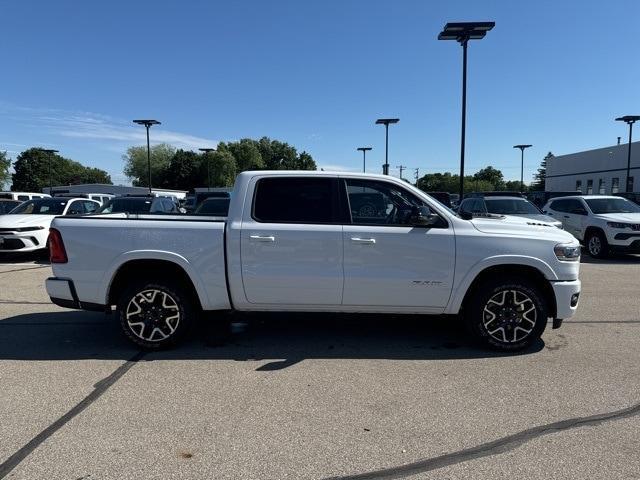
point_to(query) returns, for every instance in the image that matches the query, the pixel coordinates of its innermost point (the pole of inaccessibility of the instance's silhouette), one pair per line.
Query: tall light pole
(364, 151)
(147, 124)
(386, 122)
(206, 152)
(522, 147)
(50, 152)
(629, 120)
(462, 32)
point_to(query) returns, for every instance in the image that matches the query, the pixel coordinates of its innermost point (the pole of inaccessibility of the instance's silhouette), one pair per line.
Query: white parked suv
(602, 223)
(26, 228)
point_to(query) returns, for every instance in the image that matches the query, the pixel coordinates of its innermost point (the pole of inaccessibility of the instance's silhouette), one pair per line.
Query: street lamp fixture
(522, 148)
(629, 120)
(386, 122)
(148, 124)
(50, 152)
(462, 32)
(206, 152)
(364, 151)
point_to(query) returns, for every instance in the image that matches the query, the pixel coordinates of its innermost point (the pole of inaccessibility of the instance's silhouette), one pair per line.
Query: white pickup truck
(322, 242)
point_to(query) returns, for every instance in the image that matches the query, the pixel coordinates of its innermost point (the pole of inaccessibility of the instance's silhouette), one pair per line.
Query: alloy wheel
(509, 316)
(152, 315)
(595, 245)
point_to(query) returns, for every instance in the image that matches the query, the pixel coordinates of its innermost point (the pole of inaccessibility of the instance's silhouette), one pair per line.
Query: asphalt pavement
(307, 396)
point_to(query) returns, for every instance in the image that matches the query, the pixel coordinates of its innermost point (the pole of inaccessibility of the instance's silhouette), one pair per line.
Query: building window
(615, 185)
(630, 184)
(579, 186)
(601, 186)
(589, 187)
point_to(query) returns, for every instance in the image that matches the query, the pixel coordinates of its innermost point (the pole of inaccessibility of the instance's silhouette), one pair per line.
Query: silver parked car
(514, 206)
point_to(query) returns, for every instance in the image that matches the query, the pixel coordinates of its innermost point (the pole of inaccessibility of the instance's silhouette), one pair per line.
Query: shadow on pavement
(613, 259)
(37, 258)
(285, 339)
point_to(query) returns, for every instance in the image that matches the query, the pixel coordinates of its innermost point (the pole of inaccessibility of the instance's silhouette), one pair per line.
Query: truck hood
(620, 217)
(29, 220)
(524, 226)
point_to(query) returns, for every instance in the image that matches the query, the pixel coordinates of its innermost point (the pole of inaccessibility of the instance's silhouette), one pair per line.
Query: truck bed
(98, 246)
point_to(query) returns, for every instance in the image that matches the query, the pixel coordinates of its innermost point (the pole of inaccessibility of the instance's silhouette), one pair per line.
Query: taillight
(57, 253)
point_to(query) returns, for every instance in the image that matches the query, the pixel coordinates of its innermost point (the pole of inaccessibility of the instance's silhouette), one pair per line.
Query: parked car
(7, 205)
(26, 228)
(633, 196)
(602, 223)
(443, 197)
(193, 201)
(23, 196)
(539, 199)
(502, 205)
(291, 243)
(140, 205)
(216, 207)
(496, 193)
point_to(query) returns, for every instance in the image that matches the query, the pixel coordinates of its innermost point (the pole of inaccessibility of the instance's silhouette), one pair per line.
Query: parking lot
(319, 396)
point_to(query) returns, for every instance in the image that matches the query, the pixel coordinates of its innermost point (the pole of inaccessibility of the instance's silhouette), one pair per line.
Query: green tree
(515, 186)
(136, 166)
(540, 177)
(5, 163)
(446, 182)
(35, 169)
(246, 154)
(183, 171)
(492, 176)
(222, 165)
(282, 156)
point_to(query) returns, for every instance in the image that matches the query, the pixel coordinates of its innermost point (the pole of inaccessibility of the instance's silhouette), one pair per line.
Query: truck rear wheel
(155, 315)
(507, 314)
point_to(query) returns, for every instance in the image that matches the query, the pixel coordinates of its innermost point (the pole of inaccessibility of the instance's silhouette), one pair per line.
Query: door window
(576, 207)
(560, 205)
(23, 197)
(75, 208)
(295, 200)
(373, 202)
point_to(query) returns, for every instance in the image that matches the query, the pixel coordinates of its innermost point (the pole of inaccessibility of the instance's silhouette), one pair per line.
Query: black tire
(165, 315)
(597, 245)
(514, 325)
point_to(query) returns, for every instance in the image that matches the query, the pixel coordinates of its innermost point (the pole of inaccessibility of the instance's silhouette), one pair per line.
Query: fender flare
(462, 287)
(179, 260)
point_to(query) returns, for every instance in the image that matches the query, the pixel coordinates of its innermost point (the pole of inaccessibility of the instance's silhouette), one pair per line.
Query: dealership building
(599, 171)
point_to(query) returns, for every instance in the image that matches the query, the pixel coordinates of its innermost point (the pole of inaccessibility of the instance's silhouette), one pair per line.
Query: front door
(387, 261)
(291, 248)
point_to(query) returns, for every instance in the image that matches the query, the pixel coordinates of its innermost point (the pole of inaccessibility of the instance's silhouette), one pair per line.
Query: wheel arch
(138, 269)
(526, 271)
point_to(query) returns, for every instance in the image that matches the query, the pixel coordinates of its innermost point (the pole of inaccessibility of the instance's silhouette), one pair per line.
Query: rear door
(291, 242)
(388, 261)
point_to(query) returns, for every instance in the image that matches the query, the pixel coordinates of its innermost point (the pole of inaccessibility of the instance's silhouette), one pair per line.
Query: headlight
(567, 252)
(619, 225)
(28, 229)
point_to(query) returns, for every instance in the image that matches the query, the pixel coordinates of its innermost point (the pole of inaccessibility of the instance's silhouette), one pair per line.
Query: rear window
(295, 200)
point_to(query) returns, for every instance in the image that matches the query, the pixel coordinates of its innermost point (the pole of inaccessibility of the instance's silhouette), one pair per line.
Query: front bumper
(23, 242)
(567, 296)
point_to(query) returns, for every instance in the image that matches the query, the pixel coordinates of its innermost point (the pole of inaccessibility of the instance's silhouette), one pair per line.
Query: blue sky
(317, 74)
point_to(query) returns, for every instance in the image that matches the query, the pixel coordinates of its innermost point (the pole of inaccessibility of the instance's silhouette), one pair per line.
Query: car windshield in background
(218, 207)
(6, 207)
(127, 205)
(612, 205)
(510, 206)
(45, 206)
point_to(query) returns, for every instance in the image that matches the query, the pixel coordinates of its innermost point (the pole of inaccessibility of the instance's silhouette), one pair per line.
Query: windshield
(612, 205)
(214, 206)
(511, 206)
(44, 206)
(6, 207)
(126, 205)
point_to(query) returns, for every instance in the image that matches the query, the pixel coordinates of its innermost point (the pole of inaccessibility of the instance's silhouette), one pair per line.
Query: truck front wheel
(154, 315)
(507, 314)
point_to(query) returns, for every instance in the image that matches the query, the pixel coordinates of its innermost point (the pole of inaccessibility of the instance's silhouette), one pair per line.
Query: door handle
(364, 241)
(263, 238)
